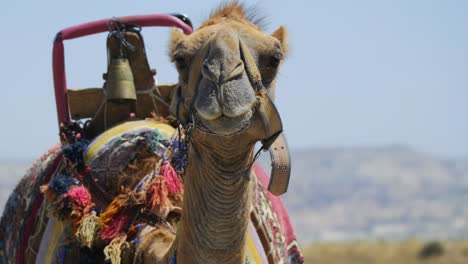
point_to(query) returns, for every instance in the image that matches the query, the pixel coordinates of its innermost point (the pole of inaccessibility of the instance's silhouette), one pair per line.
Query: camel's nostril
(205, 66)
(235, 73)
(222, 72)
(210, 71)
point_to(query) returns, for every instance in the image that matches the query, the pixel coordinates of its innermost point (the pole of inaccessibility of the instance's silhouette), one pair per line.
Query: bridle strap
(280, 166)
(270, 118)
(265, 106)
(275, 140)
(185, 117)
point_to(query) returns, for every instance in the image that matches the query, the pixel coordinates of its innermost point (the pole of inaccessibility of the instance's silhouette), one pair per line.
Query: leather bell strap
(280, 166)
(276, 143)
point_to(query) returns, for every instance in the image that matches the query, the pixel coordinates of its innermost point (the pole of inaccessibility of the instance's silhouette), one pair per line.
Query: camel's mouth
(225, 125)
(225, 108)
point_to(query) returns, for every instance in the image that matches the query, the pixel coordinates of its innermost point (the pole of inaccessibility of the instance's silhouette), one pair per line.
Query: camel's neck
(217, 202)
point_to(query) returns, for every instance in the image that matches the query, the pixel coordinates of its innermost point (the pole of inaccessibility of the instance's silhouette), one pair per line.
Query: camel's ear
(282, 35)
(176, 37)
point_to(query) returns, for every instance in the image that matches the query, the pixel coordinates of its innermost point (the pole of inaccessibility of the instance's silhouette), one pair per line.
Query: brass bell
(119, 81)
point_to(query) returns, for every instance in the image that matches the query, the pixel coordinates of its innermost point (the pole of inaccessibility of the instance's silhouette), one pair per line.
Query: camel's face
(211, 65)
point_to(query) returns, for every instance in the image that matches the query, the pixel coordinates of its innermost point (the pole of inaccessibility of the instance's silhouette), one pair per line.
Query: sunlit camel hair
(213, 80)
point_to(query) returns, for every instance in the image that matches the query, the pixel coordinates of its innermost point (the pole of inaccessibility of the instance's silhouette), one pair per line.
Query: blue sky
(358, 72)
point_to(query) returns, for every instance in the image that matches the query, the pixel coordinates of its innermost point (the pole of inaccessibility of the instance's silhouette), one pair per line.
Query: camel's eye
(268, 65)
(180, 63)
(275, 60)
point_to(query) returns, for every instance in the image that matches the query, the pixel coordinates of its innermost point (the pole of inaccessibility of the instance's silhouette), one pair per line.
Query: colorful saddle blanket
(31, 231)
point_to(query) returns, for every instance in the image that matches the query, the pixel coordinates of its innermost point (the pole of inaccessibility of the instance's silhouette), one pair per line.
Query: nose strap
(270, 118)
(250, 66)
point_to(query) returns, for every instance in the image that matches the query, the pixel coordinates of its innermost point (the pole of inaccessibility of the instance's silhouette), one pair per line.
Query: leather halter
(274, 140)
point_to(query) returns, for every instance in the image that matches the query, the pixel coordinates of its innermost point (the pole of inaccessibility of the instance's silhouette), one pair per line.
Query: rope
(152, 95)
(117, 29)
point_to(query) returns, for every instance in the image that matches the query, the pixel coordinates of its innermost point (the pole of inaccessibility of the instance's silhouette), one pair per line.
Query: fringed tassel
(87, 231)
(157, 196)
(179, 153)
(80, 196)
(56, 193)
(113, 209)
(80, 202)
(61, 184)
(113, 251)
(174, 185)
(114, 227)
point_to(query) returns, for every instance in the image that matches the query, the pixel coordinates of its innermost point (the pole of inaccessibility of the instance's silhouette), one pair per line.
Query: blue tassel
(61, 184)
(179, 154)
(75, 152)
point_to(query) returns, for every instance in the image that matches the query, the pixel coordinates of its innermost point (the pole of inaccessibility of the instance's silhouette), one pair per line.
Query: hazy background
(373, 95)
(358, 72)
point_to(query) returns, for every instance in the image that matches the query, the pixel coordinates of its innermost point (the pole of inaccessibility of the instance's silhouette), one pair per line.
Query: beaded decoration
(115, 227)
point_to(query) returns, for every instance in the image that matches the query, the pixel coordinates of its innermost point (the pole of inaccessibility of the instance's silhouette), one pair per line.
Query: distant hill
(391, 192)
(380, 193)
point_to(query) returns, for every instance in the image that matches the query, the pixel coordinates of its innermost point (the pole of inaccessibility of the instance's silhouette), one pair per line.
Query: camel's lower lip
(225, 125)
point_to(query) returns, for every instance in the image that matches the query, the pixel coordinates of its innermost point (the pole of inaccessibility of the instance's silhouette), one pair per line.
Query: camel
(224, 66)
(226, 129)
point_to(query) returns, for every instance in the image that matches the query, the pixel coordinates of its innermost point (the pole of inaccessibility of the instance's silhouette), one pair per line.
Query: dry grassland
(405, 252)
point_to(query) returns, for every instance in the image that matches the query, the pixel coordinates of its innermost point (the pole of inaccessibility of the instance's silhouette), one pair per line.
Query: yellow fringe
(114, 249)
(88, 229)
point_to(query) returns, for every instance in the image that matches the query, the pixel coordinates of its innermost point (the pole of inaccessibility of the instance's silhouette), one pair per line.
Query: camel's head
(219, 67)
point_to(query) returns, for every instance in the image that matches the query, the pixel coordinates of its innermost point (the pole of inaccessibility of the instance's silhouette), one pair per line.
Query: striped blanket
(29, 235)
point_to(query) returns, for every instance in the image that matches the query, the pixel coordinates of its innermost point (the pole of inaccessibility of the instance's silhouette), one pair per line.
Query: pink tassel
(114, 228)
(80, 196)
(157, 196)
(173, 183)
(80, 202)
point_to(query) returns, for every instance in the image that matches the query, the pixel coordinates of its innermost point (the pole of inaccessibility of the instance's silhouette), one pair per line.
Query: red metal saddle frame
(94, 27)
